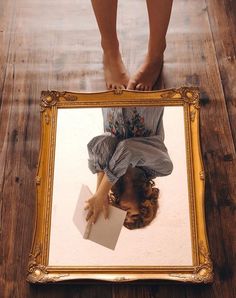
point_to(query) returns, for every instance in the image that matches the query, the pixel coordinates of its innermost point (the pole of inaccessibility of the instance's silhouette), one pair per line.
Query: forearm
(99, 178)
(99, 201)
(104, 186)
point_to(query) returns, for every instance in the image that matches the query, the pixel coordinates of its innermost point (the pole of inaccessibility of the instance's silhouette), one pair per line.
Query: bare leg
(115, 73)
(159, 15)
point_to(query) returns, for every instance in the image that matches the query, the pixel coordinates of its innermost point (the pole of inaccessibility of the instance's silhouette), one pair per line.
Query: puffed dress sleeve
(100, 151)
(149, 153)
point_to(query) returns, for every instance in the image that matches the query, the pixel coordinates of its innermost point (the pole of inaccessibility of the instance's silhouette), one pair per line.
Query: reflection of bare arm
(99, 178)
(104, 187)
(99, 201)
(100, 150)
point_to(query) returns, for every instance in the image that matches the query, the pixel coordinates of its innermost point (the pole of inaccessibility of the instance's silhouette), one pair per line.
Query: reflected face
(128, 200)
(130, 205)
(136, 196)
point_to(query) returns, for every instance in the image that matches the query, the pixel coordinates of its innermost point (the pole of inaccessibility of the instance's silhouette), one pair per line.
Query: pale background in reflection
(166, 242)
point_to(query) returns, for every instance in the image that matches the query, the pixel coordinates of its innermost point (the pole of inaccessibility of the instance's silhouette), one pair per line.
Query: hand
(95, 205)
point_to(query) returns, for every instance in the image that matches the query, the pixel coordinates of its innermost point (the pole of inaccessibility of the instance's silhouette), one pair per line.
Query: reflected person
(126, 159)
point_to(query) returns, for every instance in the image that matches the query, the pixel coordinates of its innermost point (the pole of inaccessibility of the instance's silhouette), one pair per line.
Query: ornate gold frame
(188, 97)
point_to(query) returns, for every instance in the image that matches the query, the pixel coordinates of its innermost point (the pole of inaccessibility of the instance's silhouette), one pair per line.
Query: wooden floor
(55, 45)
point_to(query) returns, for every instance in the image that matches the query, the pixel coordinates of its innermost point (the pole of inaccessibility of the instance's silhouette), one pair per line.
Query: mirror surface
(165, 242)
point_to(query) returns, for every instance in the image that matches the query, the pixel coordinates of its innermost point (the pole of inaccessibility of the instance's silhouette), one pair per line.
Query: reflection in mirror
(142, 153)
(130, 154)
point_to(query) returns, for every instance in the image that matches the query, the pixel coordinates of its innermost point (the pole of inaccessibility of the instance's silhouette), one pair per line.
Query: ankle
(154, 59)
(110, 47)
(156, 52)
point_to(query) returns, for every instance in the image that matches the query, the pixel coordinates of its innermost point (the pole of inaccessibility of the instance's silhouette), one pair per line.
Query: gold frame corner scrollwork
(38, 273)
(39, 270)
(202, 273)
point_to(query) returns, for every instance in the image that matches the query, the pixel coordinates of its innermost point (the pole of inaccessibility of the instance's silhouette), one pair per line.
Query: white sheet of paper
(79, 217)
(105, 231)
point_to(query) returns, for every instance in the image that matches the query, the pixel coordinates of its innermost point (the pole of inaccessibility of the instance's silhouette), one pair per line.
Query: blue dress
(133, 136)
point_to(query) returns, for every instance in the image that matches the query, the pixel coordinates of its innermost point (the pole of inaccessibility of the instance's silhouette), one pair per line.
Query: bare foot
(116, 75)
(146, 75)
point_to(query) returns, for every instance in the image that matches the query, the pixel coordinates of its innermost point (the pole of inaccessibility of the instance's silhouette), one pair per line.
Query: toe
(138, 87)
(109, 86)
(143, 87)
(125, 85)
(150, 88)
(131, 85)
(119, 86)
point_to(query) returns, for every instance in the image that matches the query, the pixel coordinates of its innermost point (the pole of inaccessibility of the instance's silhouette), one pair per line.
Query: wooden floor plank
(222, 17)
(61, 50)
(7, 17)
(202, 69)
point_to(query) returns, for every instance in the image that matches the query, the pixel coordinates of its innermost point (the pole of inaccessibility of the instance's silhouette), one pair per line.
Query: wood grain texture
(222, 17)
(55, 45)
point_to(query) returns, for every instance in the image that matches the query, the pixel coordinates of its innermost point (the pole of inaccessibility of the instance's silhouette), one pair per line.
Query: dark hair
(147, 201)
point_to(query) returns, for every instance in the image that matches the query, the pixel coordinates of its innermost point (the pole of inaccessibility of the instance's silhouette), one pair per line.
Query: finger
(86, 207)
(90, 213)
(105, 211)
(94, 218)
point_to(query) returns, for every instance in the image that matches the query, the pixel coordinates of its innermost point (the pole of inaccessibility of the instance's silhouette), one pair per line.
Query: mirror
(147, 145)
